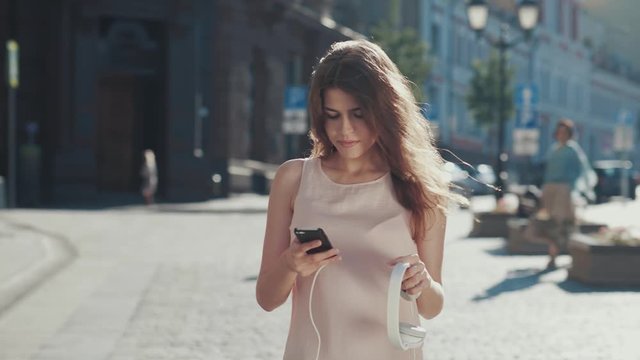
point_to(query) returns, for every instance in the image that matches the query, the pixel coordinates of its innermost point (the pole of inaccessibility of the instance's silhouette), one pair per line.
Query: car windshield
(610, 172)
(456, 172)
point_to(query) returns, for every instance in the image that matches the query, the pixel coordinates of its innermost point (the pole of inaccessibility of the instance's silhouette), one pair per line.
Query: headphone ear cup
(412, 332)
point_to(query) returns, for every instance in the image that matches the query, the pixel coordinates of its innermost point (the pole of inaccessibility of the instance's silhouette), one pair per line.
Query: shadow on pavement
(498, 251)
(86, 200)
(246, 211)
(93, 200)
(576, 287)
(516, 280)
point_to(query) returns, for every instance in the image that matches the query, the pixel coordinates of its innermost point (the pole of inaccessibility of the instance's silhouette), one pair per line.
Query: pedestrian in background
(149, 175)
(377, 185)
(566, 164)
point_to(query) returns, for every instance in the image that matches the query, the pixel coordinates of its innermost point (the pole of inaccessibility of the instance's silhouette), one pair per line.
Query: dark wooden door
(118, 114)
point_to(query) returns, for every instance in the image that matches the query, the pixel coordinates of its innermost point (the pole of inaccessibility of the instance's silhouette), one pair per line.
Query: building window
(411, 14)
(560, 18)
(460, 114)
(545, 88)
(579, 95)
(562, 91)
(435, 39)
(433, 102)
(574, 22)
(457, 49)
(294, 70)
(464, 50)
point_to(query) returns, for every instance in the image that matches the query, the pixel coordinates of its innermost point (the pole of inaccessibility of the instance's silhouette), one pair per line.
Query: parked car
(486, 176)
(610, 173)
(471, 180)
(457, 177)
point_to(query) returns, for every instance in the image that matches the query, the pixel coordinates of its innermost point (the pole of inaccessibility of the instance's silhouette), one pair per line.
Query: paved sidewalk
(620, 213)
(28, 256)
(176, 281)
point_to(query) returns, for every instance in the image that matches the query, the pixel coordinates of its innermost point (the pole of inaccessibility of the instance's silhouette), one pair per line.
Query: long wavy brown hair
(362, 69)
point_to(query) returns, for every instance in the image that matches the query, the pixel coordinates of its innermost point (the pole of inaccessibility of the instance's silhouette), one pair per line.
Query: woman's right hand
(297, 260)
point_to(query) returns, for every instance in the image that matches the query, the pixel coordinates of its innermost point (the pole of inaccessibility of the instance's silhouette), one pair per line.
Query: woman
(566, 163)
(149, 174)
(376, 184)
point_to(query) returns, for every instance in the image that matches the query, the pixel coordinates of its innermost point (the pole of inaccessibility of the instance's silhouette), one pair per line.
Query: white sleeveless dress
(370, 228)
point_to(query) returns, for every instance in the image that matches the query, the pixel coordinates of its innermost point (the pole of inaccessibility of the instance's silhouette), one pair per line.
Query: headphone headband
(402, 335)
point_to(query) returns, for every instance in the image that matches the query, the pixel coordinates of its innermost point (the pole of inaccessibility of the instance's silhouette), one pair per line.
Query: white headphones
(402, 335)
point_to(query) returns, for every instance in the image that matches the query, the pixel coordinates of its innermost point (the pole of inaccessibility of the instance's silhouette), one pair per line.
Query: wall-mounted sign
(295, 110)
(13, 73)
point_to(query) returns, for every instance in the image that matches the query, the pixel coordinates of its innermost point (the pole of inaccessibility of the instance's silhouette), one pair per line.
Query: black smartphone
(306, 235)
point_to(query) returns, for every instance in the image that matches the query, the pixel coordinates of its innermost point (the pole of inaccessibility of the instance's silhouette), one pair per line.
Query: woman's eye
(333, 116)
(358, 114)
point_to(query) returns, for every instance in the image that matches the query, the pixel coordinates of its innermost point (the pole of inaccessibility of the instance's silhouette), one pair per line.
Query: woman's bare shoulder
(291, 169)
(289, 174)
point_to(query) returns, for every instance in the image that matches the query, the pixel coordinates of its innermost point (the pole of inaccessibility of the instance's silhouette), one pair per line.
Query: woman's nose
(347, 126)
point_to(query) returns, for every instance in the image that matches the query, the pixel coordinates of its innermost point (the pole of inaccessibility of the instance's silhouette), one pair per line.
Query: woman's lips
(347, 143)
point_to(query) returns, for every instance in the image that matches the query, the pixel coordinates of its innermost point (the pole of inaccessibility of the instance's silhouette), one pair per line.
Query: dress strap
(307, 175)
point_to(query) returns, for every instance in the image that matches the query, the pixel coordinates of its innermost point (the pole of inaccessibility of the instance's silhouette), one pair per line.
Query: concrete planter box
(600, 264)
(490, 224)
(519, 243)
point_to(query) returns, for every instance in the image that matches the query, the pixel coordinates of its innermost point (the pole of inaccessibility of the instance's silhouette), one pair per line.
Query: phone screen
(306, 235)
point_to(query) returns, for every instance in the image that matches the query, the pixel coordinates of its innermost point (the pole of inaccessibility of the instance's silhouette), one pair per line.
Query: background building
(577, 71)
(200, 82)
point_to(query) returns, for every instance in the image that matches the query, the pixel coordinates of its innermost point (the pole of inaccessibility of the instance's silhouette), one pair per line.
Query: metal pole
(197, 93)
(502, 47)
(11, 142)
(624, 177)
(530, 158)
(13, 82)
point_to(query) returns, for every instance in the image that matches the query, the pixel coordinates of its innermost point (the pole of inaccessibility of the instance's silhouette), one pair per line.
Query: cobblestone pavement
(177, 282)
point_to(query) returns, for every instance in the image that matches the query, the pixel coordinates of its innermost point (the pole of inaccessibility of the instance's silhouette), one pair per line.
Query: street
(176, 281)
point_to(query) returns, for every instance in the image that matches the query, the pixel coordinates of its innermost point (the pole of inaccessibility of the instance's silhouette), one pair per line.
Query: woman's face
(345, 124)
(562, 134)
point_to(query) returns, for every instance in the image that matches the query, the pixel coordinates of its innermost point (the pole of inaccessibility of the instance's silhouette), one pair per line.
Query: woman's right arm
(283, 260)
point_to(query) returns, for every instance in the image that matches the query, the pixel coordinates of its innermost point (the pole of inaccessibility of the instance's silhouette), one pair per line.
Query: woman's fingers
(415, 278)
(413, 281)
(409, 259)
(303, 248)
(330, 259)
(305, 264)
(417, 289)
(321, 256)
(414, 270)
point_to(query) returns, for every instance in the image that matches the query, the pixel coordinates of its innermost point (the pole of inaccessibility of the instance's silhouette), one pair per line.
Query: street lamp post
(478, 15)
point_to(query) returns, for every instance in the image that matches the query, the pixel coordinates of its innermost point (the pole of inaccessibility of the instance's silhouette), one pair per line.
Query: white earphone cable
(413, 313)
(313, 284)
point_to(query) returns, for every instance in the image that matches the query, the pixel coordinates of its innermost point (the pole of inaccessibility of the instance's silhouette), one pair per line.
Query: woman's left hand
(416, 278)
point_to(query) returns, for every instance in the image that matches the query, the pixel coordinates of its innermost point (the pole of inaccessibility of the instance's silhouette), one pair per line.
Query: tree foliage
(407, 50)
(482, 97)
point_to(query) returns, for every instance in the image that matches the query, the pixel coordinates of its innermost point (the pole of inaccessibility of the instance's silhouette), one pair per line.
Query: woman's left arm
(424, 276)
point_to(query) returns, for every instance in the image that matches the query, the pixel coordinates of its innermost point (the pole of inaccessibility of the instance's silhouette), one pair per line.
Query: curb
(58, 252)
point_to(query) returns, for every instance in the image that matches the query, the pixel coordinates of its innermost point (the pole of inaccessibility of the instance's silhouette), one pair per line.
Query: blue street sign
(526, 101)
(526, 119)
(294, 120)
(295, 97)
(625, 117)
(526, 93)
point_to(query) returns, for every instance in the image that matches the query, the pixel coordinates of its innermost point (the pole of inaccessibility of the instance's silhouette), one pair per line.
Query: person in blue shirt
(566, 165)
